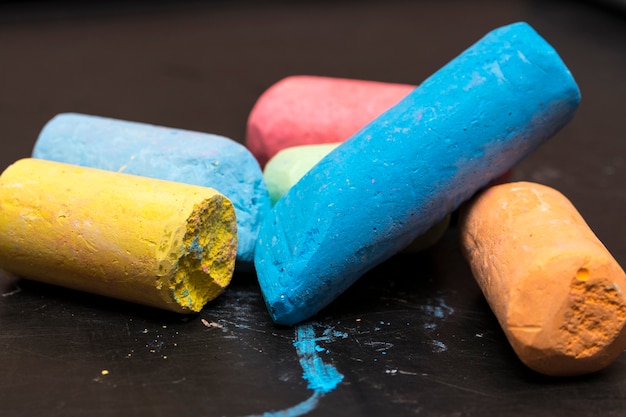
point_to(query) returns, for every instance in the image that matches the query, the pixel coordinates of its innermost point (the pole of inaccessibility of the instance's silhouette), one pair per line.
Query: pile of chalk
(335, 177)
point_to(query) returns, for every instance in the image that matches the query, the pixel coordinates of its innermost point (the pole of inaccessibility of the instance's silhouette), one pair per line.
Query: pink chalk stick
(306, 110)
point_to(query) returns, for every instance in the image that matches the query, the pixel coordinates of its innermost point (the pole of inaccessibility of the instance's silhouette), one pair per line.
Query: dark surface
(418, 337)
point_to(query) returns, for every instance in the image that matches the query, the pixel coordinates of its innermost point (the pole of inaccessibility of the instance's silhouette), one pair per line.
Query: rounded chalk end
(286, 168)
(580, 331)
(165, 153)
(280, 313)
(554, 287)
(309, 109)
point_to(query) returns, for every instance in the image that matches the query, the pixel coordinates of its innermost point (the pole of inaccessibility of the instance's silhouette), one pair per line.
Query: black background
(421, 340)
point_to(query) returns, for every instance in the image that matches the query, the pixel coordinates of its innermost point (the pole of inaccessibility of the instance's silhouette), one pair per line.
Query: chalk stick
(164, 153)
(406, 170)
(159, 243)
(307, 109)
(553, 286)
(288, 165)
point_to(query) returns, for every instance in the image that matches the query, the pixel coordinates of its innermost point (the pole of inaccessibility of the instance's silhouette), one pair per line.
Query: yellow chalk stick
(556, 290)
(159, 243)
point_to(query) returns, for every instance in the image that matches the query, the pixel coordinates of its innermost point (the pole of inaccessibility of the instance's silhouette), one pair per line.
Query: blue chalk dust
(321, 377)
(439, 310)
(370, 197)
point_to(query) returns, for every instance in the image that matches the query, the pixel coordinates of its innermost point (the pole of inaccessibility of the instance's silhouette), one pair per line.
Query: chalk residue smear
(321, 377)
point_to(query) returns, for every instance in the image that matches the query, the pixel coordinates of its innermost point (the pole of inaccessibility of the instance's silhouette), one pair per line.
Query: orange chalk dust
(555, 289)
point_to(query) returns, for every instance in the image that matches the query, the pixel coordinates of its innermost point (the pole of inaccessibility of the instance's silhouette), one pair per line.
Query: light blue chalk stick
(468, 123)
(165, 153)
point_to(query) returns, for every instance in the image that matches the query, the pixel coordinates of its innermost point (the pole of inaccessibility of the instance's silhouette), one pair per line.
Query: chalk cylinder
(164, 153)
(308, 109)
(468, 123)
(554, 287)
(288, 165)
(159, 243)
(286, 168)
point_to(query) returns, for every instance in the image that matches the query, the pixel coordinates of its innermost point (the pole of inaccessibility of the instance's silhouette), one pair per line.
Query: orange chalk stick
(553, 286)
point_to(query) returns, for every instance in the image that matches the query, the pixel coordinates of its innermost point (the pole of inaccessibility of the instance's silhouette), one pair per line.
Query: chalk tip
(281, 313)
(285, 305)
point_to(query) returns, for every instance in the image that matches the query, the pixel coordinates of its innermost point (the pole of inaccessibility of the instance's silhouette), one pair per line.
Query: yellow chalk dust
(209, 248)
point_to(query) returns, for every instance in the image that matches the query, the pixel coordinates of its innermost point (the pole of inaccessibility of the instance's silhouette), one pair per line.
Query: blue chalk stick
(468, 123)
(165, 153)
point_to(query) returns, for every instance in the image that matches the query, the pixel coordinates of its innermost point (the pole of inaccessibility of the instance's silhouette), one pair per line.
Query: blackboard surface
(414, 336)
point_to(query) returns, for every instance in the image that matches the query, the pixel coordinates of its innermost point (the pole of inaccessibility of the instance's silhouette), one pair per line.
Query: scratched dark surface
(414, 335)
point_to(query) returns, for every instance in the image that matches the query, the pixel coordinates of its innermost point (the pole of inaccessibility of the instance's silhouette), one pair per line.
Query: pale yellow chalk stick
(159, 243)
